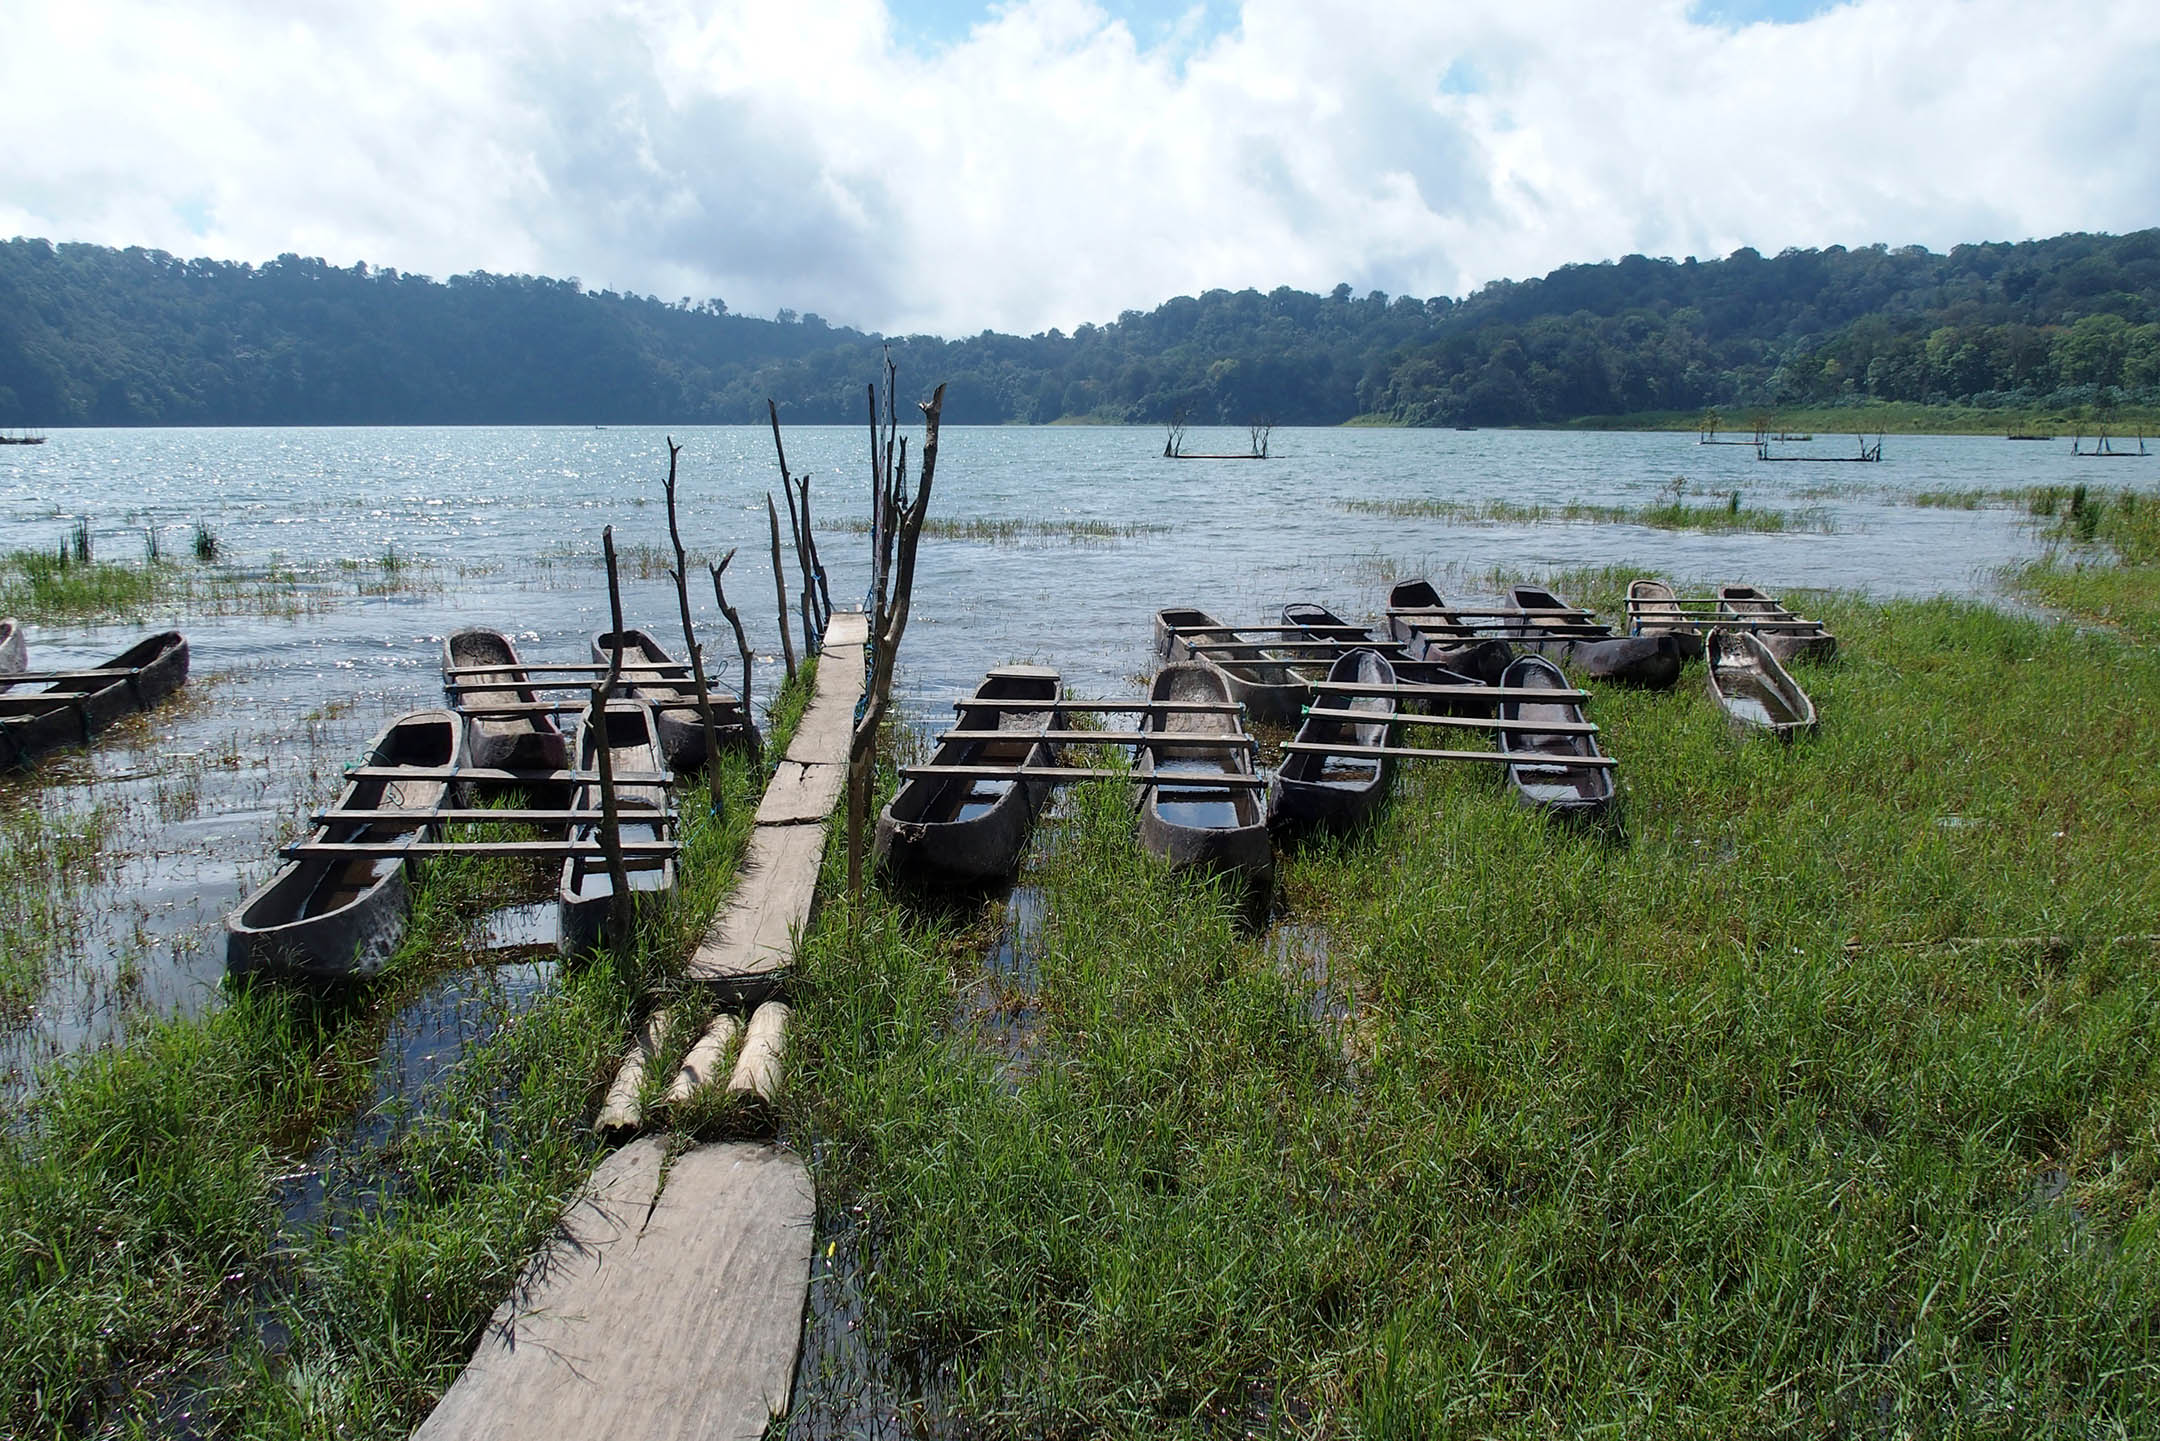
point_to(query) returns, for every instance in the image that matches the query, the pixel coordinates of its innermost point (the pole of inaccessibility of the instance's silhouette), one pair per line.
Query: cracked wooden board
(665, 1308)
(799, 793)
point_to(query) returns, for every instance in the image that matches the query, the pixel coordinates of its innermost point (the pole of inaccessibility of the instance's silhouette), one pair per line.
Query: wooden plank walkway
(670, 1306)
(749, 951)
(670, 1303)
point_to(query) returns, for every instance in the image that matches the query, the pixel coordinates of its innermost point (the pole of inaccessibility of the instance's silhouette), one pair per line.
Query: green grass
(48, 858)
(1827, 423)
(147, 1268)
(1008, 531)
(2104, 563)
(56, 586)
(1674, 513)
(1699, 1129)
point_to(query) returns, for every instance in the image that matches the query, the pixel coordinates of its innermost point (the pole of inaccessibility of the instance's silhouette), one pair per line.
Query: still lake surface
(501, 527)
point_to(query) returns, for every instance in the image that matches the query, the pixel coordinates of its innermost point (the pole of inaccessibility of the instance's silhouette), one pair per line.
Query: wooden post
(734, 620)
(689, 631)
(798, 526)
(596, 720)
(888, 625)
(779, 578)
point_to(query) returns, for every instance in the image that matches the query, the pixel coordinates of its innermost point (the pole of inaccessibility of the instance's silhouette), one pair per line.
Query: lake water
(501, 527)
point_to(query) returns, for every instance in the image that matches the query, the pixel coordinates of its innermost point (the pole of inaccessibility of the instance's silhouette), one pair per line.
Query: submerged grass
(157, 1276)
(1819, 1097)
(1009, 531)
(1725, 515)
(2104, 561)
(42, 586)
(49, 856)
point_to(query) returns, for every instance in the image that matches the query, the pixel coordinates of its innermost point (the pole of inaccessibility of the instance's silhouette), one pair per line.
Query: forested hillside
(90, 335)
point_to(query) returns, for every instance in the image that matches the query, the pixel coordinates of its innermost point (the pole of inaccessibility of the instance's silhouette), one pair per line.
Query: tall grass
(2104, 564)
(1704, 1129)
(48, 856)
(1673, 513)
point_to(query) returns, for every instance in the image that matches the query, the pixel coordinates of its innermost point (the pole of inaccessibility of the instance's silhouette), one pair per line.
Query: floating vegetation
(1007, 531)
(1726, 514)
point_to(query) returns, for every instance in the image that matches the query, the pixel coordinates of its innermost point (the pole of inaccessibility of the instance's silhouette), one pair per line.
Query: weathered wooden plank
(798, 793)
(750, 948)
(661, 1312)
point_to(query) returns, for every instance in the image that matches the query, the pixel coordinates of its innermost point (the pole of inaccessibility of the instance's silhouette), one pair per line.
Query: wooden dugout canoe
(1756, 692)
(947, 830)
(327, 916)
(516, 742)
(38, 716)
(1269, 688)
(672, 693)
(1541, 776)
(1744, 603)
(1182, 818)
(1486, 659)
(14, 653)
(1654, 609)
(586, 891)
(1649, 661)
(1433, 634)
(1314, 788)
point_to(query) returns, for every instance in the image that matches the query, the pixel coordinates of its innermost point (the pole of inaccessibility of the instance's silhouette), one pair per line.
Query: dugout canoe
(1182, 818)
(1269, 688)
(41, 715)
(1314, 788)
(1741, 604)
(672, 693)
(1755, 690)
(945, 830)
(14, 654)
(1654, 609)
(1539, 772)
(512, 742)
(586, 891)
(1433, 634)
(1538, 622)
(1484, 659)
(337, 916)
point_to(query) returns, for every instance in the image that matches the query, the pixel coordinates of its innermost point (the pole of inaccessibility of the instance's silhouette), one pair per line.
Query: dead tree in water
(689, 631)
(813, 618)
(903, 515)
(596, 725)
(1174, 442)
(742, 641)
(1259, 430)
(779, 580)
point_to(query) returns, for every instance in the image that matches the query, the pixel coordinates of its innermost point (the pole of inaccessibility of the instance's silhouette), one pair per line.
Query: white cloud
(1047, 168)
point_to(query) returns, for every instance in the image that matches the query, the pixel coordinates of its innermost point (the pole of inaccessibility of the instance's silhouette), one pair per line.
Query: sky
(950, 166)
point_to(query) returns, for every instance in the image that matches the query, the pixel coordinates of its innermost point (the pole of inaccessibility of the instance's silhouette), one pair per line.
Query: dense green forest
(91, 335)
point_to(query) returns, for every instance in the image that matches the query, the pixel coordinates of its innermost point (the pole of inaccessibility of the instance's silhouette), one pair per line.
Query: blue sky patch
(1732, 14)
(934, 23)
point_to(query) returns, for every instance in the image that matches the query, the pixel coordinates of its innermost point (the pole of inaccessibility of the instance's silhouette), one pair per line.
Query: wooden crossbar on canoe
(1139, 703)
(1058, 775)
(1452, 612)
(1195, 740)
(1185, 630)
(1527, 760)
(38, 702)
(472, 815)
(631, 850)
(499, 777)
(46, 677)
(506, 673)
(1301, 647)
(1583, 728)
(1410, 690)
(535, 707)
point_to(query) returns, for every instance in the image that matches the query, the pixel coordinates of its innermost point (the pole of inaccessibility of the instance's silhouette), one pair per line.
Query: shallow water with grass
(1176, 1111)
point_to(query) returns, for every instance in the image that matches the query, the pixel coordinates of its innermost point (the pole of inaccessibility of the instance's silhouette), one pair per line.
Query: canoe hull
(1223, 831)
(363, 904)
(1570, 792)
(585, 892)
(915, 847)
(1271, 692)
(154, 668)
(511, 743)
(1744, 602)
(1298, 795)
(681, 727)
(1655, 608)
(1758, 695)
(14, 652)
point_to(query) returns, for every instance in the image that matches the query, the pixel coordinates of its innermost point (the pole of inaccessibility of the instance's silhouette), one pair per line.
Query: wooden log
(1465, 722)
(1173, 740)
(1065, 775)
(622, 1112)
(631, 849)
(1493, 693)
(664, 1312)
(1528, 760)
(1137, 704)
(756, 1078)
(702, 1066)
